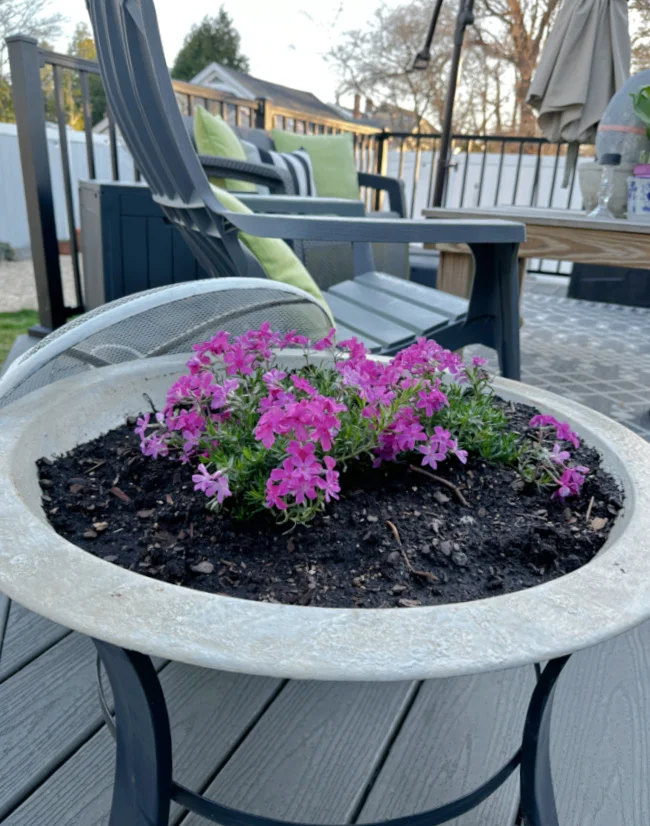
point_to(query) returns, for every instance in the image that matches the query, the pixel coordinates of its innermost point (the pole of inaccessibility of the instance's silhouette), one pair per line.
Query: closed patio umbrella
(585, 60)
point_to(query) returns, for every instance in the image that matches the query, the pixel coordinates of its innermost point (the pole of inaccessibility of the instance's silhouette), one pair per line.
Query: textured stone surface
(53, 577)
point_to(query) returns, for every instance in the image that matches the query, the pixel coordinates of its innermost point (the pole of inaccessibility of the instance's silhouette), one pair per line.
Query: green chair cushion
(332, 159)
(276, 257)
(213, 136)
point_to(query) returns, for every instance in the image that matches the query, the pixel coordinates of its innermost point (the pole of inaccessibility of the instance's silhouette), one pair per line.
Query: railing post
(381, 164)
(264, 114)
(24, 63)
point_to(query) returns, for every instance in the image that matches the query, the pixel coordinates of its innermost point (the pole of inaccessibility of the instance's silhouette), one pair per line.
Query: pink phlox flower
(292, 338)
(211, 483)
(217, 345)
(238, 360)
(198, 362)
(326, 426)
(277, 396)
(220, 393)
(274, 494)
(142, 424)
(327, 342)
(433, 400)
(478, 361)
(273, 377)
(154, 446)
(268, 426)
(301, 383)
(543, 420)
(354, 347)
(558, 455)
(330, 484)
(563, 431)
(379, 395)
(408, 429)
(461, 455)
(301, 458)
(570, 482)
(432, 453)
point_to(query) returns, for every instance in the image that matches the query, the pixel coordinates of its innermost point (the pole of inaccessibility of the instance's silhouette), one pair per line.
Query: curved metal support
(537, 796)
(144, 787)
(143, 767)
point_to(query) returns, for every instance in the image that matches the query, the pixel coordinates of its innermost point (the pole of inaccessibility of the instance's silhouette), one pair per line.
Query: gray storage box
(127, 243)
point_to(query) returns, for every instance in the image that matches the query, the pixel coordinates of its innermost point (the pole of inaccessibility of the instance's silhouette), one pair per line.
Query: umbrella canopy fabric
(585, 60)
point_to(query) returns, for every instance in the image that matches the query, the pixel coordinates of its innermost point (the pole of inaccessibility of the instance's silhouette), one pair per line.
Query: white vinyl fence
(14, 229)
(13, 216)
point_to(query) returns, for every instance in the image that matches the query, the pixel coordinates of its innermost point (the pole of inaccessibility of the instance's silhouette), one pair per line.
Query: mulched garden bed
(397, 538)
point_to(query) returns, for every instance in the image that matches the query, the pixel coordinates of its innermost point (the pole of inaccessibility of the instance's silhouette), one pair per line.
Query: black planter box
(612, 285)
(127, 244)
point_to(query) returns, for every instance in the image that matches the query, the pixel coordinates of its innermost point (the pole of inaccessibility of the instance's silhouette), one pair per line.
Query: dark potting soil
(395, 538)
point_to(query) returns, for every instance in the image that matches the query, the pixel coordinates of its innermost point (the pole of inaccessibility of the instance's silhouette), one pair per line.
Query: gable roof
(244, 85)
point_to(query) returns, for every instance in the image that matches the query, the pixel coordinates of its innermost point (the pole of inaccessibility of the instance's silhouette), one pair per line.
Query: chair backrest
(144, 106)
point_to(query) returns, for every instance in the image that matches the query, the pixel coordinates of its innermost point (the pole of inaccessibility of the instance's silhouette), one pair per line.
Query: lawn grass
(12, 325)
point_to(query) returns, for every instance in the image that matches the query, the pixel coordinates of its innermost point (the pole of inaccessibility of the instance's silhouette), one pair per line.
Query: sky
(285, 40)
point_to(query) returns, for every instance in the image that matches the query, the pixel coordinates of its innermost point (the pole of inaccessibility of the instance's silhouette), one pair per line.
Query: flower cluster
(261, 435)
(549, 461)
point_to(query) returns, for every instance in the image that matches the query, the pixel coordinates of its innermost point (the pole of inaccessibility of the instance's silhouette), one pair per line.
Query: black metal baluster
(67, 181)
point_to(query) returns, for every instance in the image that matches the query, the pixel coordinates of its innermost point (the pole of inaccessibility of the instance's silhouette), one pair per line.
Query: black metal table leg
(143, 769)
(537, 796)
(144, 787)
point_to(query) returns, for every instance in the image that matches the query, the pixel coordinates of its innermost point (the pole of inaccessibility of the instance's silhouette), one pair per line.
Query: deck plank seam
(4, 619)
(235, 746)
(36, 654)
(62, 758)
(390, 742)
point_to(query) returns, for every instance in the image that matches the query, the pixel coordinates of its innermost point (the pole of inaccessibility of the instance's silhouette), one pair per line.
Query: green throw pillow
(277, 258)
(213, 136)
(332, 159)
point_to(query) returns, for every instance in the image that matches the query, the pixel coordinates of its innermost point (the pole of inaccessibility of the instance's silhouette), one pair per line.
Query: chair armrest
(307, 205)
(277, 180)
(393, 186)
(392, 231)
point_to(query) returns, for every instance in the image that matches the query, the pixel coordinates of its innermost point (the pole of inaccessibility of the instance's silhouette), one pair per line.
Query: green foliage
(641, 104)
(6, 102)
(214, 39)
(83, 45)
(12, 325)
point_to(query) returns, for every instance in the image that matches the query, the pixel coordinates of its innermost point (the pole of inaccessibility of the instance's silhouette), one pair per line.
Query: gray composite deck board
(26, 636)
(314, 752)
(210, 711)
(459, 732)
(47, 710)
(600, 734)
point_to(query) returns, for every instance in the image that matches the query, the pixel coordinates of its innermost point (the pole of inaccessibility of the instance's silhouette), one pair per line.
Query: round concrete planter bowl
(53, 577)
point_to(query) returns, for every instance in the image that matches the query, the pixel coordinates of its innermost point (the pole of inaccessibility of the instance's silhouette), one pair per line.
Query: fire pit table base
(144, 787)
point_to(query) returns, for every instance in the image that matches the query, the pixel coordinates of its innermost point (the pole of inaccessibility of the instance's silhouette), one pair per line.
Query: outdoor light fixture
(423, 57)
(464, 19)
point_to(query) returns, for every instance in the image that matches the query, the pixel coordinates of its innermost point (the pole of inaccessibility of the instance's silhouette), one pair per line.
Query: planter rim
(59, 580)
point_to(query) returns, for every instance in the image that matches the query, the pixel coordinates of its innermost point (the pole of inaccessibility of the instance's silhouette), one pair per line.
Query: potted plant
(258, 449)
(639, 183)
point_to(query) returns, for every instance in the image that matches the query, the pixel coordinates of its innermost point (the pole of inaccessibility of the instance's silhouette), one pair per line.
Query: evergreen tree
(214, 39)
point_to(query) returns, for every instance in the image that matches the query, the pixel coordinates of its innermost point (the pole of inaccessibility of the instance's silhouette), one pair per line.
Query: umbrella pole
(464, 19)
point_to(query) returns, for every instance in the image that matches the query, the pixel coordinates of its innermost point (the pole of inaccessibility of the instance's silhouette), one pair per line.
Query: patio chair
(417, 264)
(387, 313)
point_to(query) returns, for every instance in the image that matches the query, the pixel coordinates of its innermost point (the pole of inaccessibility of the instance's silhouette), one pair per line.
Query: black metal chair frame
(143, 104)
